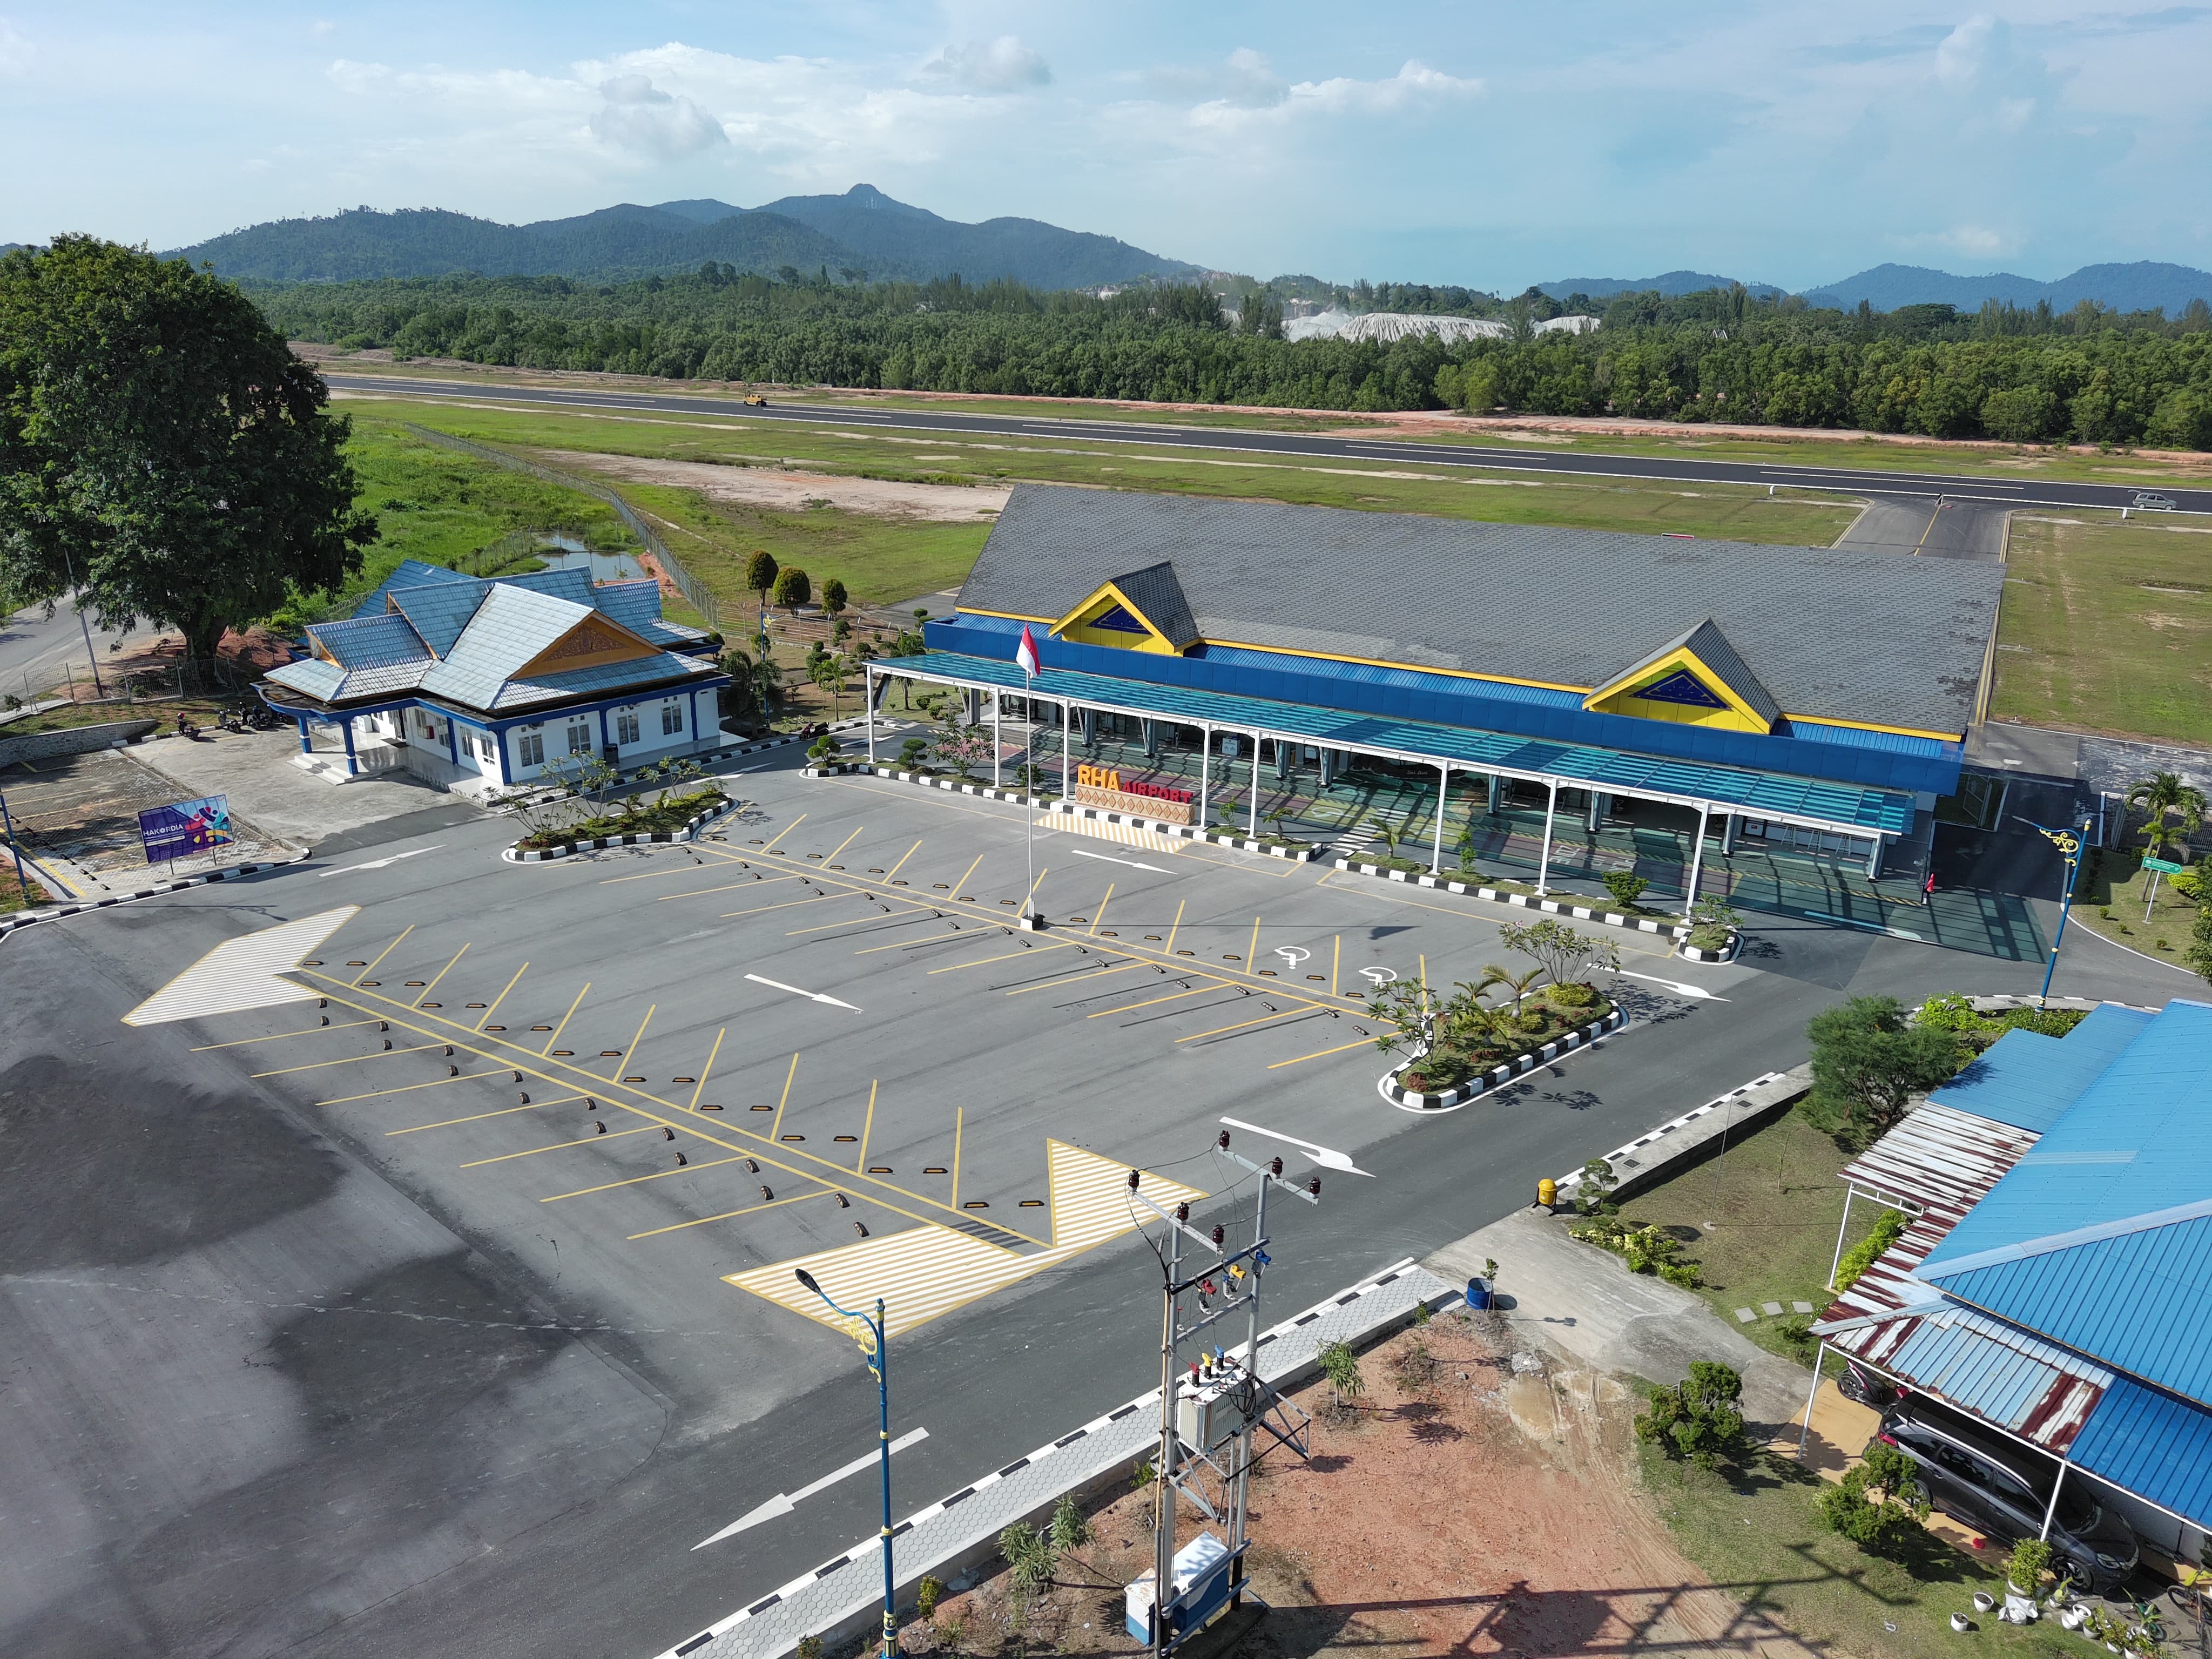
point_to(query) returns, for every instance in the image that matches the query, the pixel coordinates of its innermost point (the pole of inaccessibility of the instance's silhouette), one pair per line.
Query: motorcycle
(1859, 1384)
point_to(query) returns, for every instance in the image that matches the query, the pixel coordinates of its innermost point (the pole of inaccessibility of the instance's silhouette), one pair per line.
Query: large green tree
(159, 442)
(1868, 1060)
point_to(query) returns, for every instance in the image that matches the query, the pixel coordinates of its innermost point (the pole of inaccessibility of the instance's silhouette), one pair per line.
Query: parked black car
(1973, 1476)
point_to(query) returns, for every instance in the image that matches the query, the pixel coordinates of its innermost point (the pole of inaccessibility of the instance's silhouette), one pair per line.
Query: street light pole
(70, 565)
(869, 1334)
(2070, 849)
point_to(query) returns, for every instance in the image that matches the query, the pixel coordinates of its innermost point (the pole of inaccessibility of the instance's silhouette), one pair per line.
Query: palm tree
(1386, 832)
(2159, 797)
(1519, 984)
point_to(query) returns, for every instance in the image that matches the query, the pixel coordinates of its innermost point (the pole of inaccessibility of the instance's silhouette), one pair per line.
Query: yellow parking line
(912, 944)
(1219, 1030)
(842, 845)
(653, 875)
(278, 1037)
(350, 1059)
(477, 1117)
(559, 1146)
(708, 1070)
(726, 887)
(629, 1054)
(1076, 978)
(1252, 951)
(1099, 914)
(565, 1018)
(1336, 957)
(964, 874)
(773, 1203)
(502, 997)
(608, 1186)
(900, 865)
(786, 904)
(410, 1088)
(1030, 899)
(443, 972)
(955, 967)
(786, 830)
(1167, 950)
(1178, 996)
(784, 1099)
(385, 953)
(1363, 1042)
(868, 1128)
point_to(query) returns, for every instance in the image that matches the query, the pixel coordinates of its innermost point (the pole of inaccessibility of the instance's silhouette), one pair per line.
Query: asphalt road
(1877, 482)
(34, 646)
(290, 1367)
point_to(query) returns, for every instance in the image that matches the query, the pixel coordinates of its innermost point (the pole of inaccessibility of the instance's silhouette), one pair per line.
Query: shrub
(792, 588)
(1868, 1061)
(823, 748)
(913, 752)
(1646, 1249)
(1029, 1557)
(1888, 1228)
(928, 1595)
(809, 1647)
(2031, 1561)
(1071, 1528)
(1697, 1419)
(1626, 886)
(1573, 994)
(1340, 1365)
(1877, 1504)
(834, 597)
(761, 570)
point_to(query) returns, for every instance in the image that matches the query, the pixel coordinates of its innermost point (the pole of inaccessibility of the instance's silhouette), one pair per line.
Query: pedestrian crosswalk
(243, 973)
(928, 1271)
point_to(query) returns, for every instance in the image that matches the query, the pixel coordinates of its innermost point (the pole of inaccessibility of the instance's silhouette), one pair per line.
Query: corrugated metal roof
(1450, 593)
(2038, 1391)
(511, 626)
(1760, 794)
(370, 642)
(440, 611)
(1940, 1157)
(2027, 1079)
(2150, 1443)
(1857, 736)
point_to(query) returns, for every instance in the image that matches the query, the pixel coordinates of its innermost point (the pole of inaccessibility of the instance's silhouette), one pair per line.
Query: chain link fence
(694, 591)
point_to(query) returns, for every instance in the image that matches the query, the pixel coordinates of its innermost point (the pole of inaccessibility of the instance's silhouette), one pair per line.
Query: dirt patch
(1477, 1500)
(798, 492)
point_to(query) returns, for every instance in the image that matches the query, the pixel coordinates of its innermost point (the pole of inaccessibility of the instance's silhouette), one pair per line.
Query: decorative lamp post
(2069, 843)
(869, 1333)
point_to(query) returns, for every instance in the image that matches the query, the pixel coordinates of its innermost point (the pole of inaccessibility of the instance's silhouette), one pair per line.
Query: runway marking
(811, 996)
(477, 1117)
(731, 1215)
(929, 1271)
(485, 1016)
(562, 1147)
(242, 973)
(608, 1186)
(380, 864)
(784, 1503)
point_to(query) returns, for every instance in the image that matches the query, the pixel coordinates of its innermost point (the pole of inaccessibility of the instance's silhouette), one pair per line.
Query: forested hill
(861, 234)
(2024, 376)
(2145, 285)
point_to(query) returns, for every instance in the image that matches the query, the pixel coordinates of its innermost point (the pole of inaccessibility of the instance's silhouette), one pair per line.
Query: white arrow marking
(811, 996)
(783, 1502)
(1328, 1157)
(1110, 859)
(1695, 992)
(379, 864)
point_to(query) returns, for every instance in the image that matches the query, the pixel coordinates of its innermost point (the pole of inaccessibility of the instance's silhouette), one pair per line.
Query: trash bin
(1478, 1295)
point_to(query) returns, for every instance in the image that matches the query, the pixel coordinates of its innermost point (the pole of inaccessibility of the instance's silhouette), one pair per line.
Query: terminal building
(471, 683)
(1815, 699)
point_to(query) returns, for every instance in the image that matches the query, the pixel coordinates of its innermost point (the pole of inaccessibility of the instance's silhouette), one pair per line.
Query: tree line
(2022, 375)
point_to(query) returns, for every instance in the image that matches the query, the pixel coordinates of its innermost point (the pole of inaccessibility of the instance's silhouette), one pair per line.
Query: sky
(1469, 143)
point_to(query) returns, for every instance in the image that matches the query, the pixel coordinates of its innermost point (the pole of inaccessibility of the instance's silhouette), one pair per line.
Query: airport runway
(1881, 482)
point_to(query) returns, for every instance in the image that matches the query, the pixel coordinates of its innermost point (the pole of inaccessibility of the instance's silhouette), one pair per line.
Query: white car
(2145, 499)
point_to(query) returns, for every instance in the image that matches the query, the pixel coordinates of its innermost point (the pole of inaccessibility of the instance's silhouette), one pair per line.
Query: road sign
(2161, 866)
(190, 826)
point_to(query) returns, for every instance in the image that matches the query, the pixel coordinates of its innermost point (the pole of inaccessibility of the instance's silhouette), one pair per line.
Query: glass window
(580, 737)
(531, 747)
(626, 726)
(672, 718)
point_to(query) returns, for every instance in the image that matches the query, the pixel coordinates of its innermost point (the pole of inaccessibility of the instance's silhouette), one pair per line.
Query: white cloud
(323, 26)
(1413, 86)
(639, 116)
(1005, 65)
(15, 50)
(1959, 59)
(1976, 241)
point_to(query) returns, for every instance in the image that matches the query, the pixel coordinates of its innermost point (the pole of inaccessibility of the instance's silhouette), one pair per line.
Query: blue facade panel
(2149, 1443)
(1442, 700)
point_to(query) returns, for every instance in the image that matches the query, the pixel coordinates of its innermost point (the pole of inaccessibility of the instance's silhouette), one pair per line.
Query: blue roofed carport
(2152, 1444)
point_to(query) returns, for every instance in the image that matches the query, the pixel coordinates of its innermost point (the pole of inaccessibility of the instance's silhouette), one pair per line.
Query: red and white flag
(1025, 653)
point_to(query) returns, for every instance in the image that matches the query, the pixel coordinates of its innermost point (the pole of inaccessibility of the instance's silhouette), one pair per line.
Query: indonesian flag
(1025, 653)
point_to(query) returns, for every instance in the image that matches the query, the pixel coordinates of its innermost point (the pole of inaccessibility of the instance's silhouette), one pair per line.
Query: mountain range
(2141, 286)
(862, 230)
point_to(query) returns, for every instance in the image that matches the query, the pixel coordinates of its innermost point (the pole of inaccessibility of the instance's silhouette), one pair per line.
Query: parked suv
(1972, 1476)
(2147, 499)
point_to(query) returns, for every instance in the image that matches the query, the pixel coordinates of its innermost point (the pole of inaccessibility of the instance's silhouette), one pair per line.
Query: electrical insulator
(1223, 1142)
(1314, 1186)
(1219, 1235)
(1134, 1174)
(1275, 1169)
(1182, 1212)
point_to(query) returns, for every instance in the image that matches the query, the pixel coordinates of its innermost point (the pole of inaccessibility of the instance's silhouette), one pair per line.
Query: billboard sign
(188, 827)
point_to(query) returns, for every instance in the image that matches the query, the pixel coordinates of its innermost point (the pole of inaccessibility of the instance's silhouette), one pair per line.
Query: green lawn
(2120, 884)
(1774, 1205)
(1754, 1532)
(2107, 627)
(1721, 511)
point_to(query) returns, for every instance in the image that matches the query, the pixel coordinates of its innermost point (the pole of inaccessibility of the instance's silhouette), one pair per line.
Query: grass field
(1760, 1221)
(2107, 627)
(2122, 886)
(1797, 447)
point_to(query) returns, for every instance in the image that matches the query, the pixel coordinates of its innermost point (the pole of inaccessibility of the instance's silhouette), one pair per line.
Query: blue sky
(1471, 142)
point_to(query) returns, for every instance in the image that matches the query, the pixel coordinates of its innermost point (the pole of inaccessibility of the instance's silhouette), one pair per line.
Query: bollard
(1547, 1192)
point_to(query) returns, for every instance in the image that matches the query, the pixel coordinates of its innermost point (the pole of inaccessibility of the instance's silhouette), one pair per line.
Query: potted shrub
(2024, 1578)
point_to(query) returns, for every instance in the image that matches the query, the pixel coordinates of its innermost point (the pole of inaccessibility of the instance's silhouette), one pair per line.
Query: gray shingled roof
(1843, 633)
(1713, 650)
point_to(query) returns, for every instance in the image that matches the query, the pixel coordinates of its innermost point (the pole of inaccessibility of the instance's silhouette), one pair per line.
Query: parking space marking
(1131, 1007)
(784, 1099)
(385, 953)
(1099, 914)
(410, 1088)
(916, 943)
(1008, 956)
(843, 844)
(484, 1019)
(443, 972)
(608, 1186)
(349, 1060)
(900, 865)
(786, 830)
(1167, 950)
(478, 1117)
(278, 1037)
(1264, 1019)
(785, 905)
(629, 1056)
(1363, 1042)
(565, 1018)
(560, 1146)
(929, 1271)
(726, 887)
(1075, 977)
(729, 1215)
(869, 1128)
(708, 1070)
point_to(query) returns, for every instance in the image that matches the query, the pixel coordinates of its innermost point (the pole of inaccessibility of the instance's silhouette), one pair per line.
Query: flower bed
(1464, 1063)
(671, 818)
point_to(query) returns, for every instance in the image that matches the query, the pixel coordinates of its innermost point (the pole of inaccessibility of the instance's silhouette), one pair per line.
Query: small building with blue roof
(2068, 1304)
(456, 678)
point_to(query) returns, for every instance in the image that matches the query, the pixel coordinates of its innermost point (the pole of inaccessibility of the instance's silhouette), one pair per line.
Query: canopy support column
(1067, 743)
(1252, 824)
(306, 744)
(1544, 864)
(1443, 793)
(1727, 835)
(1697, 865)
(353, 761)
(1837, 1265)
(1205, 763)
(1496, 791)
(1874, 858)
(2051, 1510)
(868, 676)
(1819, 1359)
(998, 749)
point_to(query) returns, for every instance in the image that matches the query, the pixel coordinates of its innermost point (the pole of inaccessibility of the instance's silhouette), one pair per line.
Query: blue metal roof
(573, 586)
(2150, 1443)
(511, 626)
(409, 572)
(1887, 743)
(440, 611)
(370, 642)
(2027, 1079)
(1861, 812)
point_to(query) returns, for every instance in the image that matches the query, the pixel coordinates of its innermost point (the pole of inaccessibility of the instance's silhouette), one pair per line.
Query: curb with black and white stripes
(1629, 1154)
(55, 912)
(1300, 853)
(1675, 931)
(569, 850)
(865, 1612)
(1566, 1044)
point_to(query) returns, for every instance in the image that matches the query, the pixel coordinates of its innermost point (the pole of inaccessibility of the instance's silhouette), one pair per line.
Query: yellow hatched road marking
(928, 1271)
